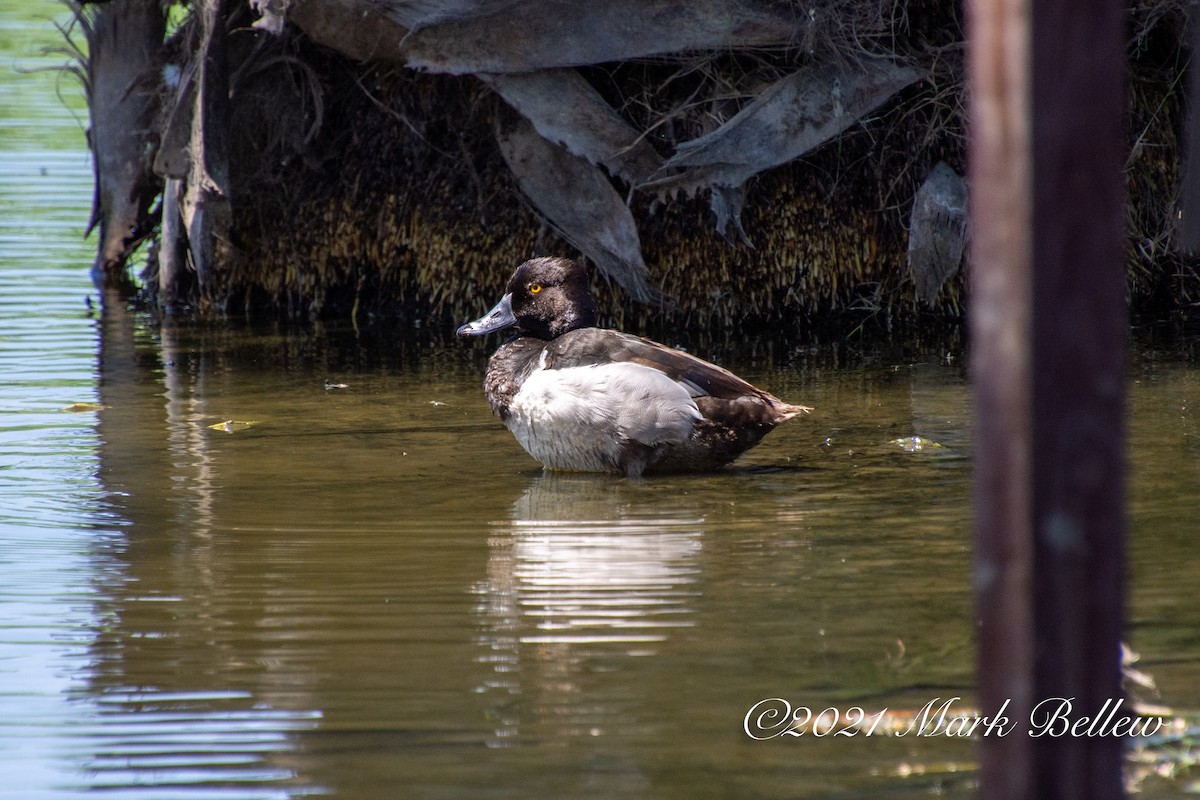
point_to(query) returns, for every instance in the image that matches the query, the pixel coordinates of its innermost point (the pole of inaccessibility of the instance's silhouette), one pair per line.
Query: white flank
(578, 418)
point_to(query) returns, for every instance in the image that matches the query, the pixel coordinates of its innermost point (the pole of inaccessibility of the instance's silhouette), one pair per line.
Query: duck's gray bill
(499, 318)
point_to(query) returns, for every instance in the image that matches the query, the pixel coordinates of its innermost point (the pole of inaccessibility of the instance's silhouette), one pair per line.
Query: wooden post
(1080, 336)
(1000, 171)
(1049, 330)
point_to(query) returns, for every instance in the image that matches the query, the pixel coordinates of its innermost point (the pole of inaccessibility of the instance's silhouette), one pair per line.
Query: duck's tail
(786, 410)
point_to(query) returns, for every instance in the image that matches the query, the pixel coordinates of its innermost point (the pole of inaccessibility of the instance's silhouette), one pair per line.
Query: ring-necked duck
(582, 398)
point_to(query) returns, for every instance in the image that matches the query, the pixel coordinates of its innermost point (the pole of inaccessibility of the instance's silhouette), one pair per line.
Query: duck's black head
(545, 297)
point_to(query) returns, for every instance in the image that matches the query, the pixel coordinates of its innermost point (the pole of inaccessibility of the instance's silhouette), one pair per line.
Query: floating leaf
(79, 408)
(232, 425)
(915, 444)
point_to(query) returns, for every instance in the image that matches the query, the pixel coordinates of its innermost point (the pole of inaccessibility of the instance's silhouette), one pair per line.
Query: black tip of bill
(499, 318)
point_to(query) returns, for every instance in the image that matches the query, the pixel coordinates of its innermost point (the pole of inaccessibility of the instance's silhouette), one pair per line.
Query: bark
(205, 206)
(123, 38)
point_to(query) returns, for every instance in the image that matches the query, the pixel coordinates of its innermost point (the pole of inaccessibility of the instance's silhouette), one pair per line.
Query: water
(371, 591)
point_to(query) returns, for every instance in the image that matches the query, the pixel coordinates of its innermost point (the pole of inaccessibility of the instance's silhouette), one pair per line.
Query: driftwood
(123, 41)
(512, 36)
(566, 110)
(526, 49)
(524, 35)
(788, 119)
(572, 139)
(617, 119)
(580, 202)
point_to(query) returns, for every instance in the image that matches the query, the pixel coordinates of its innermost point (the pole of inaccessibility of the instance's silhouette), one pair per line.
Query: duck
(581, 398)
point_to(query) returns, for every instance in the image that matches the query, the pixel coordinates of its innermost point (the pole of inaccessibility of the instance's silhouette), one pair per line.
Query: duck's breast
(585, 417)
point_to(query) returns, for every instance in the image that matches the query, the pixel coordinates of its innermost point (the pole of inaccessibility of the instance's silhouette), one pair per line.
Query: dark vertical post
(1080, 329)
(1049, 335)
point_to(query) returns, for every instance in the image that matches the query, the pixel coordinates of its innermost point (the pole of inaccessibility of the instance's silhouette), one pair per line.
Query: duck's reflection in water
(586, 577)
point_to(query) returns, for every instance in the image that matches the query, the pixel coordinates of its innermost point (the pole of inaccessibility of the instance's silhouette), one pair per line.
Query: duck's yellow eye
(534, 288)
